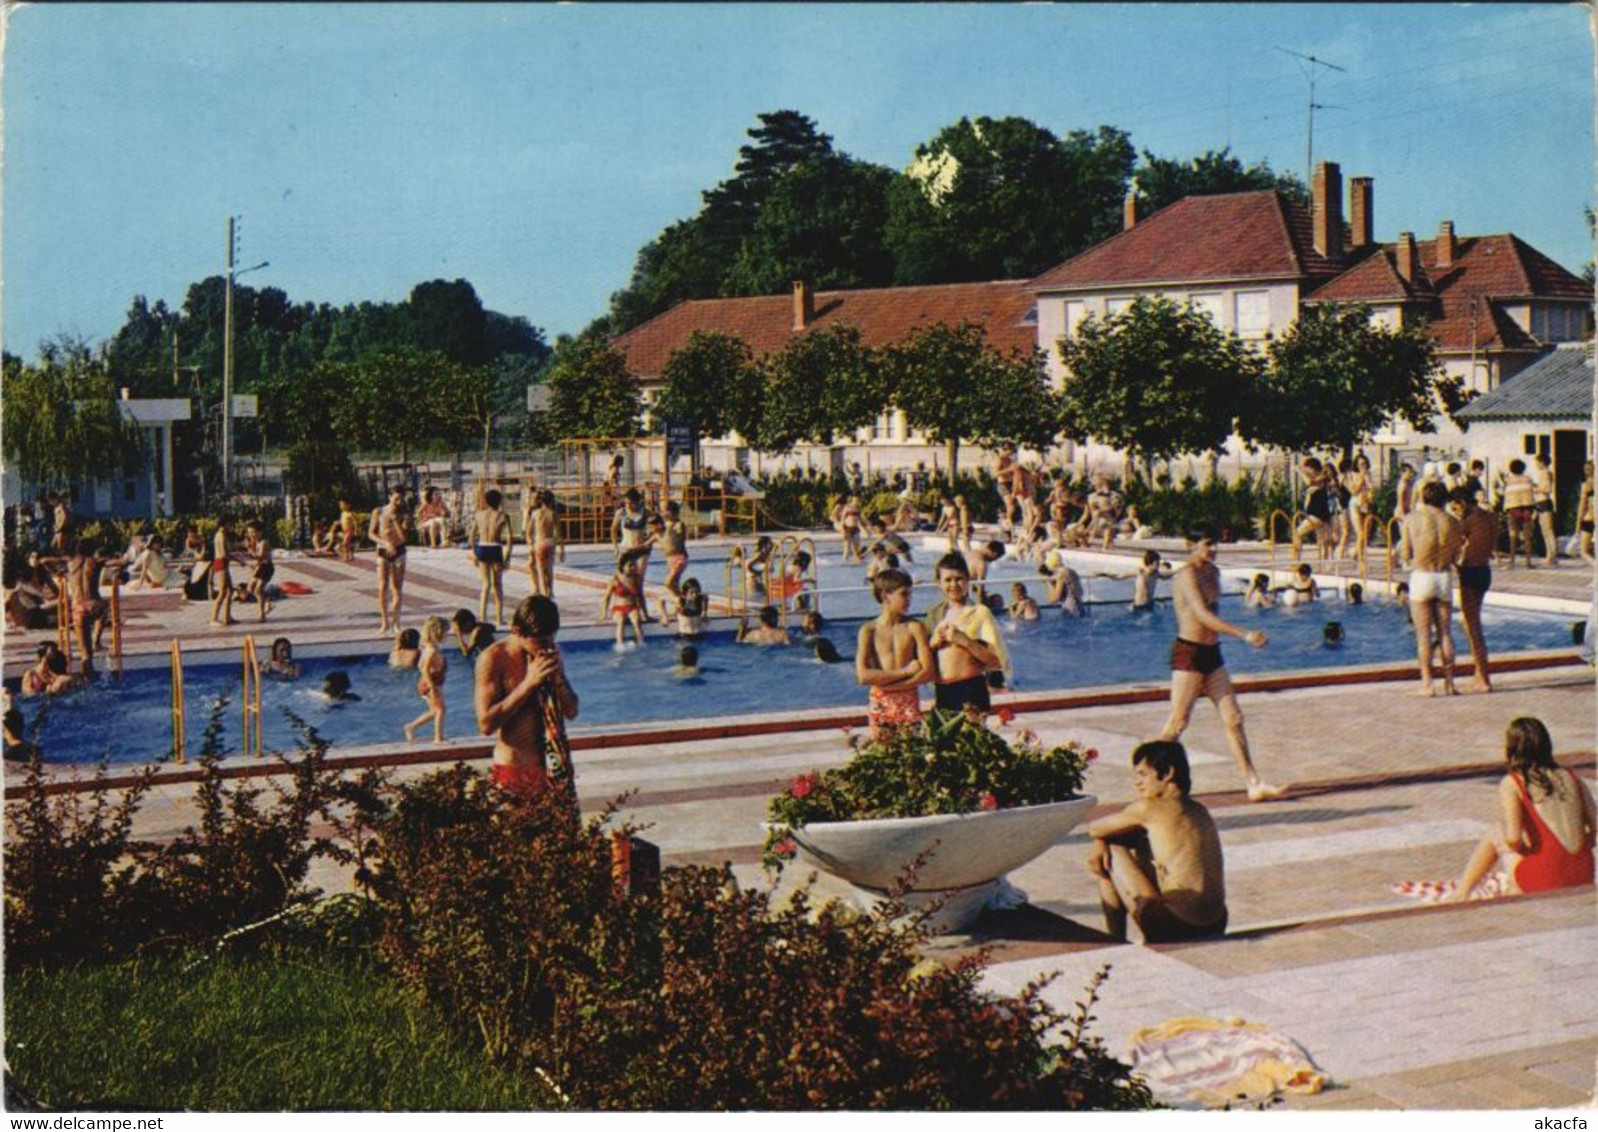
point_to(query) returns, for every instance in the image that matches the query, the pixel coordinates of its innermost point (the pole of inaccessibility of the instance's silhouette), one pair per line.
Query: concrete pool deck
(1483, 1006)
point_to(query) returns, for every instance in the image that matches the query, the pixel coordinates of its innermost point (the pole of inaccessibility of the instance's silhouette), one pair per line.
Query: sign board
(538, 398)
(244, 405)
(680, 438)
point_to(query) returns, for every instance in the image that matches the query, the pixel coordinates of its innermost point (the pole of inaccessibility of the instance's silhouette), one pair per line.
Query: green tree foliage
(448, 318)
(1335, 378)
(60, 418)
(397, 398)
(1157, 380)
(303, 411)
(712, 380)
(821, 221)
(822, 384)
(1004, 198)
(1162, 181)
(951, 385)
(592, 393)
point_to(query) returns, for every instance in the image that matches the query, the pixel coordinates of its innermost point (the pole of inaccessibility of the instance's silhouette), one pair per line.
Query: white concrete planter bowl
(970, 852)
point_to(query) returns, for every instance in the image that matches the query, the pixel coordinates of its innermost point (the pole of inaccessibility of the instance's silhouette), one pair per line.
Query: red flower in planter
(802, 785)
(988, 802)
(1005, 715)
(785, 848)
(1092, 754)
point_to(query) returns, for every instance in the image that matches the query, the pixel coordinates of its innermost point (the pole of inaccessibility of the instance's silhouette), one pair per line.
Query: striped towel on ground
(1211, 1062)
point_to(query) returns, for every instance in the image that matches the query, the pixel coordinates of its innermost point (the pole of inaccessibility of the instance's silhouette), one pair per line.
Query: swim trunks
(893, 709)
(1585, 526)
(489, 553)
(391, 554)
(960, 694)
(1161, 925)
(1430, 585)
(521, 779)
(1544, 506)
(1478, 578)
(1190, 656)
(264, 572)
(1520, 514)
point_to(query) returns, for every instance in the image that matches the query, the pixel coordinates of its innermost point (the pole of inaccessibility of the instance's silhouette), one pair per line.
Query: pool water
(129, 718)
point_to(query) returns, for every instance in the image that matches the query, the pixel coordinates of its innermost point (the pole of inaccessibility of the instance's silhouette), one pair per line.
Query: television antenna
(1309, 145)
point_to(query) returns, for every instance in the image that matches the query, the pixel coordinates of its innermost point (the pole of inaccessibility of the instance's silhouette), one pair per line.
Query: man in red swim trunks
(1196, 663)
(523, 699)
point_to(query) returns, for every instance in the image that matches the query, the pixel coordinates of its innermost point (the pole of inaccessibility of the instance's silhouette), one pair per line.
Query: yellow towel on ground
(1211, 1062)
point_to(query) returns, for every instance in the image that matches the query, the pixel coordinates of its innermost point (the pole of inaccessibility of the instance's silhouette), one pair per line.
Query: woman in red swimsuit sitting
(1546, 839)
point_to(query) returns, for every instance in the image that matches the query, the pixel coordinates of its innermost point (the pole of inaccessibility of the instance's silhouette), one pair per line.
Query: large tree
(592, 393)
(398, 398)
(822, 384)
(60, 418)
(1162, 181)
(447, 317)
(1336, 378)
(1004, 198)
(953, 386)
(1156, 380)
(713, 381)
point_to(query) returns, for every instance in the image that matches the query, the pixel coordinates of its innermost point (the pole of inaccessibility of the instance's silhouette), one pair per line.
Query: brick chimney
(1131, 211)
(1408, 257)
(1361, 219)
(1445, 244)
(1327, 196)
(804, 304)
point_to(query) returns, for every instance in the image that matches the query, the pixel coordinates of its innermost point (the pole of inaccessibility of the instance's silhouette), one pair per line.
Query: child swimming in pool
(687, 663)
(407, 649)
(692, 610)
(1147, 579)
(282, 663)
(756, 567)
(430, 667)
(770, 631)
(1022, 607)
(336, 689)
(1303, 584)
(1259, 594)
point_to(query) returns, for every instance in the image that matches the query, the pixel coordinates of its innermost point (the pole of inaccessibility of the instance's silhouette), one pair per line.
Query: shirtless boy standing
(1480, 530)
(893, 657)
(1196, 663)
(1432, 541)
(965, 639)
(490, 539)
(515, 679)
(388, 534)
(1159, 859)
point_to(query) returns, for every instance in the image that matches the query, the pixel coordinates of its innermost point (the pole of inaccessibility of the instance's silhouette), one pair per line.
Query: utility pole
(227, 354)
(1309, 145)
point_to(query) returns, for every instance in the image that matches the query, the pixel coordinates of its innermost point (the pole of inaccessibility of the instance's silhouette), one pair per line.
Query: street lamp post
(227, 355)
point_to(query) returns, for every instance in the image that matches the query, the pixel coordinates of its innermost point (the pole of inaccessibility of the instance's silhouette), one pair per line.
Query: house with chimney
(882, 315)
(1253, 260)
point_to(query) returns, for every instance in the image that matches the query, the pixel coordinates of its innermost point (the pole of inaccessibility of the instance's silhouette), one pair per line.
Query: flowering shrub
(505, 913)
(948, 764)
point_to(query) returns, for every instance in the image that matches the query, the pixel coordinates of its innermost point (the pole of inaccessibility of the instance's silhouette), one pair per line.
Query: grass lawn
(266, 1033)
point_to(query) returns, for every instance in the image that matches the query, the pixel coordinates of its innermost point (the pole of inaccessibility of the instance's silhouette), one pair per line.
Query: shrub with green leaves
(949, 763)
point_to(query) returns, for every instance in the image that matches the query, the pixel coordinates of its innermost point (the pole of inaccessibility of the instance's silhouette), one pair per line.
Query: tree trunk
(952, 449)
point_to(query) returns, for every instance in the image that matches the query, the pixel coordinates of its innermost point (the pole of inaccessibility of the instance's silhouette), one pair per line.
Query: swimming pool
(129, 717)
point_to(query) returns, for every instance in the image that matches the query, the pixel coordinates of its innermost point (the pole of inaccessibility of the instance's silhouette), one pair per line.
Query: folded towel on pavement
(1211, 1062)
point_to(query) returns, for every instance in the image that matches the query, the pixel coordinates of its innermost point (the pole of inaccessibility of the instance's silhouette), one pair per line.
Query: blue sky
(533, 149)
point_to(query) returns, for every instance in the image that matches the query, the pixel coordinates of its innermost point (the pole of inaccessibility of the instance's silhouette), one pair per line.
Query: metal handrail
(734, 568)
(252, 698)
(116, 623)
(179, 740)
(787, 549)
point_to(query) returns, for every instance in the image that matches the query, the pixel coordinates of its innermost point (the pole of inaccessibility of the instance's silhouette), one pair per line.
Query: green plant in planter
(950, 763)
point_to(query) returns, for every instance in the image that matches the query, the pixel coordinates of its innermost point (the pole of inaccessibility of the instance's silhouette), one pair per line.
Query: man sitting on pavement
(1159, 859)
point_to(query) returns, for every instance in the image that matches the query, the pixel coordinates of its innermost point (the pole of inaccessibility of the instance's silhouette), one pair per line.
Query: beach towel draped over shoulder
(978, 622)
(1210, 1062)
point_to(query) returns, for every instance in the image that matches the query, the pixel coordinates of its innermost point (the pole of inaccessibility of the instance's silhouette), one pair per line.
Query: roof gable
(1254, 235)
(883, 315)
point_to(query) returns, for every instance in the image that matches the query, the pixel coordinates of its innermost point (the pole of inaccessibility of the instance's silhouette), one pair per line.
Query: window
(1210, 305)
(1116, 306)
(1253, 313)
(1535, 443)
(1075, 311)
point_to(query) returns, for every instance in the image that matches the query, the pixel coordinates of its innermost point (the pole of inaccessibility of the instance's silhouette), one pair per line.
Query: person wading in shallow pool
(1196, 663)
(523, 699)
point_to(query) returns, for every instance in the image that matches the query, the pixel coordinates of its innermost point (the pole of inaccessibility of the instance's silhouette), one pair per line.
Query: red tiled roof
(882, 315)
(1250, 235)
(1462, 300)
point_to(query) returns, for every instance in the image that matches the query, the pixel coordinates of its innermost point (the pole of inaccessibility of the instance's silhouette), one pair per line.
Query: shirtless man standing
(1480, 529)
(515, 679)
(1432, 541)
(1004, 477)
(388, 535)
(965, 639)
(490, 540)
(1196, 663)
(1542, 496)
(1159, 859)
(893, 658)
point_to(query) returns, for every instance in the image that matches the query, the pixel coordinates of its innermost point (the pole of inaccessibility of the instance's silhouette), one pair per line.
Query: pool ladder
(787, 549)
(252, 699)
(179, 741)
